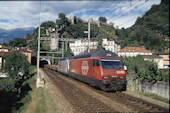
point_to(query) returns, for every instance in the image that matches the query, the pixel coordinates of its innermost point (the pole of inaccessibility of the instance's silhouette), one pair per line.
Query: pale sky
(19, 14)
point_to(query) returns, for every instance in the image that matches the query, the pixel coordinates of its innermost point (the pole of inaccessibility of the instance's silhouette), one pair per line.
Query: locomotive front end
(113, 75)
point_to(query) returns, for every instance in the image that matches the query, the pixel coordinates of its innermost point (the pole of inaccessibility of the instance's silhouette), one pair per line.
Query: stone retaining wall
(159, 88)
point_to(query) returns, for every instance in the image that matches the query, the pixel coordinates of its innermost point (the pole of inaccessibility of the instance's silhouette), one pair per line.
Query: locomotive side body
(63, 65)
(102, 69)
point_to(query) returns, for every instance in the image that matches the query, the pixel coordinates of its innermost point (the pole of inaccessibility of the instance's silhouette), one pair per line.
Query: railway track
(136, 104)
(80, 100)
(85, 103)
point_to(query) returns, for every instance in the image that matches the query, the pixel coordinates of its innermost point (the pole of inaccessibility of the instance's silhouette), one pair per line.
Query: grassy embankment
(40, 102)
(37, 100)
(153, 96)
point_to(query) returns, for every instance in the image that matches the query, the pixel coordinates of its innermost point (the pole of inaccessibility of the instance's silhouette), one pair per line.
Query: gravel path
(63, 105)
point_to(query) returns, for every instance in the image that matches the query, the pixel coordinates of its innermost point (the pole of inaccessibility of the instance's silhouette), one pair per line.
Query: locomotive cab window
(96, 63)
(112, 63)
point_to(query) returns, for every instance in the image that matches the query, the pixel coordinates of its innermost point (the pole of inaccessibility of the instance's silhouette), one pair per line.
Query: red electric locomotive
(102, 68)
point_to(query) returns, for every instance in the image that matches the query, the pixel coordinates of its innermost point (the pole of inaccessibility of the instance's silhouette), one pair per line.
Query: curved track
(80, 100)
(83, 102)
(136, 104)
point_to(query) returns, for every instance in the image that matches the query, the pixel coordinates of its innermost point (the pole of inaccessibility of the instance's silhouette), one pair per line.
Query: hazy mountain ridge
(6, 35)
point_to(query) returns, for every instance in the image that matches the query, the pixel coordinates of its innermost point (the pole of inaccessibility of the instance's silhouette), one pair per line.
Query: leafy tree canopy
(18, 42)
(144, 70)
(103, 19)
(16, 65)
(62, 20)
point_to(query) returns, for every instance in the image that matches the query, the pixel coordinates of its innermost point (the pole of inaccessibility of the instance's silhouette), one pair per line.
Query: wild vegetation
(14, 90)
(142, 70)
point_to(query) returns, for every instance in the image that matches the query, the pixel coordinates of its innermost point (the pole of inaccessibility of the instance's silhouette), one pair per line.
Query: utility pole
(88, 36)
(38, 53)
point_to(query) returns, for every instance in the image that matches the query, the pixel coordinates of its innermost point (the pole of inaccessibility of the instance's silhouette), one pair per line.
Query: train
(102, 69)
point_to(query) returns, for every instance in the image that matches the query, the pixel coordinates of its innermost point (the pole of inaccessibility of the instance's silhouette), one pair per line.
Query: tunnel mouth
(43, 62)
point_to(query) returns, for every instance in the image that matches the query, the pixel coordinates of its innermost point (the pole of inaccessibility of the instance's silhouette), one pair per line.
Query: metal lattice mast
(38, 52)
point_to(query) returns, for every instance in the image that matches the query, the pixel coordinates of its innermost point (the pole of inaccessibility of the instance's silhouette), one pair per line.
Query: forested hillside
(149, 31)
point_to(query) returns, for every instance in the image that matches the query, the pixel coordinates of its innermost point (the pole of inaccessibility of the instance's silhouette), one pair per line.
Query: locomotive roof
(99, 53)
(65, 58)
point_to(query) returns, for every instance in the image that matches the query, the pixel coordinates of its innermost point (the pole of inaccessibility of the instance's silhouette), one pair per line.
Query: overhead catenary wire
(123, 11)
(113, 6)
(134, 17)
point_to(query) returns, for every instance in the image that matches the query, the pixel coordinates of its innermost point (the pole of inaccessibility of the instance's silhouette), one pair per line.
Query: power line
(123, 11)
(131, 10)
(113, 6)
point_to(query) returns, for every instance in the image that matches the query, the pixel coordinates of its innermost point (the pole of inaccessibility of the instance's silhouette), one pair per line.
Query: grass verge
(40, 102)
(153, 96)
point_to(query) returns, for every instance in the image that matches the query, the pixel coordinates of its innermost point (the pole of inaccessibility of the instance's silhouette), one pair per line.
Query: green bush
(144, 70)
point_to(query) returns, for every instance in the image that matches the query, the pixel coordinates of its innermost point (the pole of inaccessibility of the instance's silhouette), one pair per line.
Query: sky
(123, 13)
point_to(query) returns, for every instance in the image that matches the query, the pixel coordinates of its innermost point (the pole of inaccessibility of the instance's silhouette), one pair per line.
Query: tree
(144, 70)
(100, 41)
(5, 44)
(62, 20)
(18, 42)
(16, 65)
(103, 19)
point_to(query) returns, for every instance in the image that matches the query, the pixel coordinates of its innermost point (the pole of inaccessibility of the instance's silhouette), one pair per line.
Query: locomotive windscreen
(112, 64)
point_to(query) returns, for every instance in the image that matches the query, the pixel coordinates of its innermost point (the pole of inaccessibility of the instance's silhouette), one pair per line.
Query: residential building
(3, 49)
(78, 46)
(134, 51)
(155, 58)
(25, 52)
(166, 60)
(2, 56)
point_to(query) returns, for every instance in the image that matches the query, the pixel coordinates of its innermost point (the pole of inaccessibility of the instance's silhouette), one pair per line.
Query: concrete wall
(159, 88)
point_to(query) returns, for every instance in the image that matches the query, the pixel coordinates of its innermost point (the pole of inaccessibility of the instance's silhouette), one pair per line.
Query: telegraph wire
(131, 10)
(123, 11)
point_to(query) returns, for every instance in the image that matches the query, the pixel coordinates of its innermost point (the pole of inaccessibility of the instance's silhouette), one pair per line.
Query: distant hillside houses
(78, 47)
(161, 58)
(4, 52)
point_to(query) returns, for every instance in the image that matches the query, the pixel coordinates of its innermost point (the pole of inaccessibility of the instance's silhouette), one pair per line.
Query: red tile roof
(3, 47)
(4, 54)
(135, 49)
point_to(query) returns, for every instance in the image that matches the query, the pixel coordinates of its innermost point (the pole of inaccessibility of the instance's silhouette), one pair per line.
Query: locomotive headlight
(105, 77)
(114, 76)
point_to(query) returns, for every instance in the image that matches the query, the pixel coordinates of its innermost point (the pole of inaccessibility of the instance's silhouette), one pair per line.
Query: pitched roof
(4, 54)
(23, 50)
(135, 49)
(3, 47)
(162, 53)
(151, 56)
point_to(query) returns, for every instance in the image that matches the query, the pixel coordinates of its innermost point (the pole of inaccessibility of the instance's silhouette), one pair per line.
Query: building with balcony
(133, 51)
(166, 60)
(78, 46)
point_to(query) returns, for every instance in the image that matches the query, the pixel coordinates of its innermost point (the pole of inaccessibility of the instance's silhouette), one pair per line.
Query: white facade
(133, 51)
(3, 49)
(79, 46)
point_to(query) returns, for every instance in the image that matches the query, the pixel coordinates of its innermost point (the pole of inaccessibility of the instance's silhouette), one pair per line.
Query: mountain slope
(150, 30)
(6, 35)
